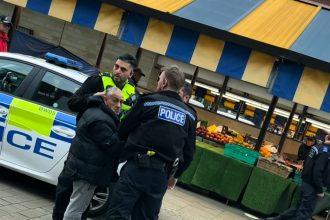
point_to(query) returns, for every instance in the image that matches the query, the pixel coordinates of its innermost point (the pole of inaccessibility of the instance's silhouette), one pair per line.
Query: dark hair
(310, 138)
(174, 76)
(138, 70)
(187, 89)
(127, 58)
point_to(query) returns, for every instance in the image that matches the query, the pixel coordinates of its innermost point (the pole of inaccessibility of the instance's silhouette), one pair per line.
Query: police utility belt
(151, 161)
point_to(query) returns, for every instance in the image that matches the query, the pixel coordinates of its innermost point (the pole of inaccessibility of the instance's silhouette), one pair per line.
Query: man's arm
(300, 152)
(104, 137)
(78, 101)
(131, 120)
(188, 150)
(319, 167)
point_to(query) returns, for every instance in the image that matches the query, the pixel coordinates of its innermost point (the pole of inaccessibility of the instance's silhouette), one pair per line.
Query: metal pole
(15, 21)
(193, 80)
(99, 56)
(301, 119)
(307, 124)
(266, 122)
(222, 91)
(240, 107)
(287, 126)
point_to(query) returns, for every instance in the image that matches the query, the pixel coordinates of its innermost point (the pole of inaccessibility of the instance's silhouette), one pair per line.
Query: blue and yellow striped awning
(169, 6)
(198, 49)
(304, 85)
(220, 14)
(91, 14)
(276, 22)
(288, 24)
(314, 41)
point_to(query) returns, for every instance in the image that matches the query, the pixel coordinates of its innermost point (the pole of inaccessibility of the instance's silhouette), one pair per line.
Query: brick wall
(83, 42)
(147, 63)
(6, 9)
(44, 27)
(113, 48)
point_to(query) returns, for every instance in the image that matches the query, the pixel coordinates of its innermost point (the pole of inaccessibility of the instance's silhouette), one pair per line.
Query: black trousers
(305, 207)
(138, 193)
(64, 190)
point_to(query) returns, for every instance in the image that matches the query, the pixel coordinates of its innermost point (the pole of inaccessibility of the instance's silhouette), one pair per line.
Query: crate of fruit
(274, 167)
(241, 153)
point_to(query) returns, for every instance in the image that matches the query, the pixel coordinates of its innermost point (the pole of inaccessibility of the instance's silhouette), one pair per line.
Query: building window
(25, 30)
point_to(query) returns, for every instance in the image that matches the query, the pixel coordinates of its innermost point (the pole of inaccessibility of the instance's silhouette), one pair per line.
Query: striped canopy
(88, 13)
(286, 24)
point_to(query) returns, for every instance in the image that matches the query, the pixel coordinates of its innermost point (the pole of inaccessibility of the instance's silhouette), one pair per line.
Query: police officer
(96, 85)
(185, 92)
(138, 73)
(315, 176)
(160, 134)
(304, 148)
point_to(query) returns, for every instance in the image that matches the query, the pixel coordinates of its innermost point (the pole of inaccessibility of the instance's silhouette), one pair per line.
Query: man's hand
(171, 183)
(100, 94)
(320, 195)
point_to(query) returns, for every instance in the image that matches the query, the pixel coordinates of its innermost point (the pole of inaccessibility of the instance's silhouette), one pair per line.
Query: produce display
(231, 137)
(267, 151)
(213, 136)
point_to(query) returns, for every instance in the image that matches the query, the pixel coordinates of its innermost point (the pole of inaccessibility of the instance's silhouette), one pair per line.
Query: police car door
(39, 132)
(14, 79)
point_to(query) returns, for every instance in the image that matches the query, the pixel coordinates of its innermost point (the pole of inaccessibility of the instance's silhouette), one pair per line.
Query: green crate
(241, 153)
(297, 177)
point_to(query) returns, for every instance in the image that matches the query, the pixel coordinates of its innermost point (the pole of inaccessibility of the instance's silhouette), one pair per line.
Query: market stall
(226, 164)
(225, 176)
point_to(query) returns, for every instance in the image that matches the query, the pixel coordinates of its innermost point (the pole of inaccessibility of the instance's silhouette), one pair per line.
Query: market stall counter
(212, 171)
(268, 193)
(262, 191)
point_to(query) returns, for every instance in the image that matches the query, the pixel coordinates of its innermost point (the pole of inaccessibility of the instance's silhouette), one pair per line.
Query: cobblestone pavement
(23, 198)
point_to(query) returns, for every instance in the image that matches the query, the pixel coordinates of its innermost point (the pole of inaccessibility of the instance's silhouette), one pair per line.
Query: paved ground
(23, 198)
(186, 205)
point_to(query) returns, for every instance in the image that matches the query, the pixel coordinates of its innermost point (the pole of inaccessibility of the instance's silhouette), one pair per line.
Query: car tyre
(100, 201)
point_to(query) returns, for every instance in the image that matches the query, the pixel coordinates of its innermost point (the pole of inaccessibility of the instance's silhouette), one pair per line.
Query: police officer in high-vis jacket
(160, 143)
(96, 85)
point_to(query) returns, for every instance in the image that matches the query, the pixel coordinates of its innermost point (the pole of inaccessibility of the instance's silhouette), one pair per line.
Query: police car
(36, 126)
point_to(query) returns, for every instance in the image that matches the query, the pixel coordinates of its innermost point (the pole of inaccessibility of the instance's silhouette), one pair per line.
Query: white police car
(36, 126)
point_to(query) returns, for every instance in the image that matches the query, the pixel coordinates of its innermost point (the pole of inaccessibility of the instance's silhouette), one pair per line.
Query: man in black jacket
(160, 134)
(304, 148)
(95, 85)
(185, 93)
(315, 177)
(94, 151)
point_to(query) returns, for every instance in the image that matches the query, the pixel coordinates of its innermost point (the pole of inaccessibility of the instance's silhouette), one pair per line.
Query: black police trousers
(64, 190)
(306, 205)
(138, 193)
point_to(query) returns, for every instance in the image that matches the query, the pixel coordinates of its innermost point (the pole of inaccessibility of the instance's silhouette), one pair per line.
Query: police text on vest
(171, 115)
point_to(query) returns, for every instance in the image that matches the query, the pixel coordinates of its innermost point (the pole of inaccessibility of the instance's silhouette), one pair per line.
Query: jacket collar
(170, 94)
